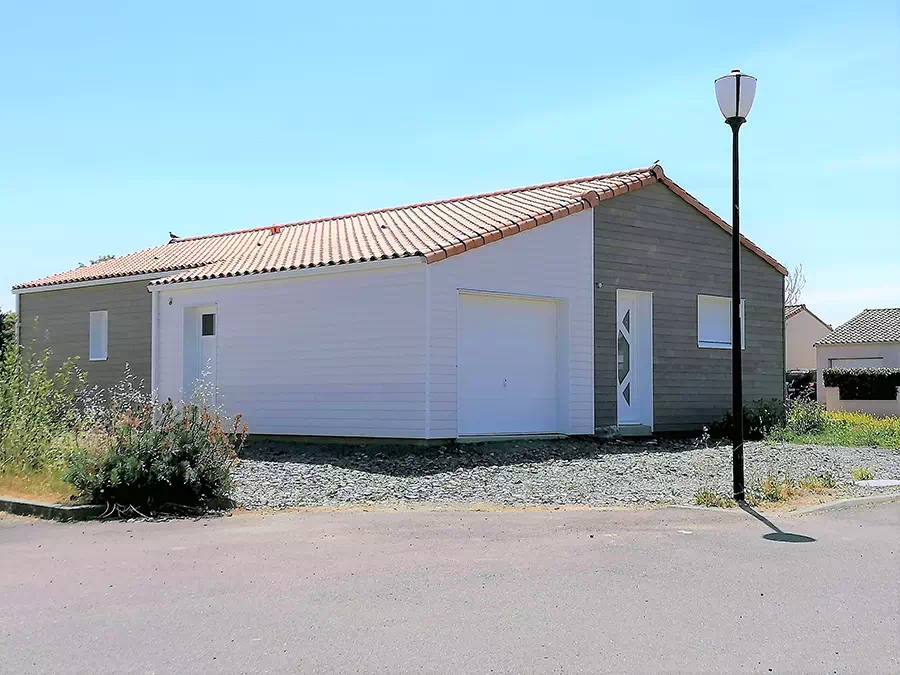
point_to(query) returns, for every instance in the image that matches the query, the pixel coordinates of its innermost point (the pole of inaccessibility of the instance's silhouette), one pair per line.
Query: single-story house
(871, 339)
(572, 307)
(802, 329)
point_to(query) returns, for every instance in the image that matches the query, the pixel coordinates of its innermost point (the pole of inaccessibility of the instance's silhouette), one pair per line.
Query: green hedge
(864, 384)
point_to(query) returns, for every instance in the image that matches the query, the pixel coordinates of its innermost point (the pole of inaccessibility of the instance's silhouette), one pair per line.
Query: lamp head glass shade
(734, 93)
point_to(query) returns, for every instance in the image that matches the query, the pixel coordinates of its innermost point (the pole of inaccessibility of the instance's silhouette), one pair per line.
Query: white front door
(634, 358)
(200, 354)
(507, 369)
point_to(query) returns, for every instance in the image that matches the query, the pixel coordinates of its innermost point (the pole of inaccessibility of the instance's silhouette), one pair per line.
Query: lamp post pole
(735, 93)
(737, 392)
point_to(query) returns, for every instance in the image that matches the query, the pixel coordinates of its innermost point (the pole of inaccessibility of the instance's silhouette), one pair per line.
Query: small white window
(714, 322)
(99, 335)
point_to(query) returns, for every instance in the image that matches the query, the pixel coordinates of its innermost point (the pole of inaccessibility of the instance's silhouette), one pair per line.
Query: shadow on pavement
(777, 533)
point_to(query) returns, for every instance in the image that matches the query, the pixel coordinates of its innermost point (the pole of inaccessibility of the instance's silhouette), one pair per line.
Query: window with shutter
(714, 322)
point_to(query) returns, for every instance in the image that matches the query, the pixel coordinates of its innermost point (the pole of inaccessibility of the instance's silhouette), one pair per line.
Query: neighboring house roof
(433, 230)
(870, 325)
(793, 310)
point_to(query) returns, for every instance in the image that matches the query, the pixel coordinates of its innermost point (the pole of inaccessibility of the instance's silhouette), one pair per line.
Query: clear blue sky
(119, 123)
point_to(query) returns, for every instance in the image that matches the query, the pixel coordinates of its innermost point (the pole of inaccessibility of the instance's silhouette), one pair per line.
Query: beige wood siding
(60, 320)
(801, 331)
(652, 240)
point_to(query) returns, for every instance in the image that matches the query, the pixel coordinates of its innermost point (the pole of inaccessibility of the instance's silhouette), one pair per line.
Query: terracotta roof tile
(870, 325)
(794, 310)
(433, 230)
(791, 310)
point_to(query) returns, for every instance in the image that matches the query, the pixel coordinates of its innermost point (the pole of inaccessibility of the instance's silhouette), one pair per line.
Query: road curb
(842, 504)
(60, 512)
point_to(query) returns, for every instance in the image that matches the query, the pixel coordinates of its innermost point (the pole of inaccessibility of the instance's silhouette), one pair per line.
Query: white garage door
(507, 365)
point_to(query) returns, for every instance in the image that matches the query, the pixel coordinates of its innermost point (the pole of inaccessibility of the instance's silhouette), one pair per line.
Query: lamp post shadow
(777, 534)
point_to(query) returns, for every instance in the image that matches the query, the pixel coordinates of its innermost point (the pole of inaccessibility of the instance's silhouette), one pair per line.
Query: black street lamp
(734, 93)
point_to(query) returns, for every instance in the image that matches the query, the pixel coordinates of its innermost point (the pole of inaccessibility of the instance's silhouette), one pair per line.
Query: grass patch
(847, 429)
(711, 498)
(863, 473)
(46, 485)
(773, 489)
(817, 483)
(780, 490)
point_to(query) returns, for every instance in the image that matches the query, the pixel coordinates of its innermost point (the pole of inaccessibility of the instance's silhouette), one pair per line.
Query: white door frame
(641, 357)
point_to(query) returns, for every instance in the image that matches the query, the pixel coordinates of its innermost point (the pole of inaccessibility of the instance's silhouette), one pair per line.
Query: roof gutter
(92, 282)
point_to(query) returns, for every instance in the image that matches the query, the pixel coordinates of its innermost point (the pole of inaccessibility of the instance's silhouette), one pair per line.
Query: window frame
(102, 316)
(709, 344)
(203, 332)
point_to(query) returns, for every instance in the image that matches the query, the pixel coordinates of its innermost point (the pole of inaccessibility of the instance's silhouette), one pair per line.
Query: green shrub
(37, 409)
(158, 455)
(805, 416)
(864, 384)
(863, 473)
(760, 419)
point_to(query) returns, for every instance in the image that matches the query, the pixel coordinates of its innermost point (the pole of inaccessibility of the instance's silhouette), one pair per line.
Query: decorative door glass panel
(624, 357)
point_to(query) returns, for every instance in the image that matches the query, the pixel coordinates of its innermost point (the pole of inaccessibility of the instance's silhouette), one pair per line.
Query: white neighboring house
(802, 329)
(871, 339)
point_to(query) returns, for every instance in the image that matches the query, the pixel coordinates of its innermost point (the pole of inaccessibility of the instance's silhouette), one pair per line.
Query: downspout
(427, 351)
(18, 326)
(154, 342)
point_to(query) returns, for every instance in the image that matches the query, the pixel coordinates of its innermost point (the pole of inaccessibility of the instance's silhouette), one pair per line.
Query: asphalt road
(655, 591)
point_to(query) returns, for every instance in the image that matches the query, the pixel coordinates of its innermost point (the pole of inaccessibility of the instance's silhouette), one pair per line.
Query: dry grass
(776, 492)
(45, 486)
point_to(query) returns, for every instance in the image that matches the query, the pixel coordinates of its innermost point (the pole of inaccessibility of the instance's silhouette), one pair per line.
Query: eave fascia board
(288, 274)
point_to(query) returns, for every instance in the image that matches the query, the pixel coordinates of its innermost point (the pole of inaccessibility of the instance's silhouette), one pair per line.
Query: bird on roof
(172, 235)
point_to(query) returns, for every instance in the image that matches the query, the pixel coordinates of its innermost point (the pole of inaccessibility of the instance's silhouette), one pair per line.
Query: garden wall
(834, 402)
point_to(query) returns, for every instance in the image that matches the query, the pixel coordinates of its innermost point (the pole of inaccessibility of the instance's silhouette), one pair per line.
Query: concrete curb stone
(60, 512)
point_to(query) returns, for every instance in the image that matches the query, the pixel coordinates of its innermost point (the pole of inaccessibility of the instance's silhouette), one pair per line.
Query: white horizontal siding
(554, 260)
(337, 354)
(372, 352)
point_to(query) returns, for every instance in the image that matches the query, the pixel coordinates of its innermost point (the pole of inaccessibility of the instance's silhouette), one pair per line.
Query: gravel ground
(571, 471)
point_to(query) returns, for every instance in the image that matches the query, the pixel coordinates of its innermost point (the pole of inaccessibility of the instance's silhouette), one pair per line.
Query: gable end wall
(60, 319)
(654, 241)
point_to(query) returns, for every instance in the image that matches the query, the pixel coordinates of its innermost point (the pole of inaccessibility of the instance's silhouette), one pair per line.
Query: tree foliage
(7, 329)
(794, 285)
(100, 258)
